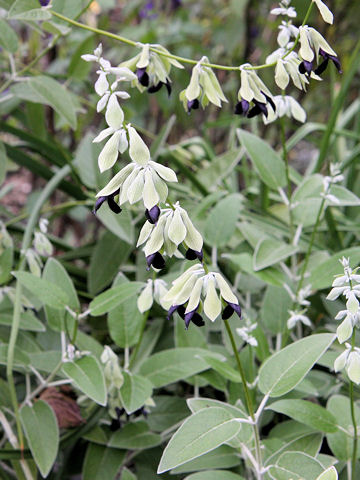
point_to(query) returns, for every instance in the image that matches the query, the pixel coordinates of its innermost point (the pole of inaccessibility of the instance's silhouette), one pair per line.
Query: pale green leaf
(134, 392)
(134, 436)
(221, 222)
(270, 251)
(101, 463)
(113, 297)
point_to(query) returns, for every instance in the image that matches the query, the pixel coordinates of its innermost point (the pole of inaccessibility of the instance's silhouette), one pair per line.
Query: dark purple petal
(198, 320)
(193, 254)
(168, 86)
(155, 88)
(270, 100)
(142, 76)
(193, 105)
(180, 309)
(44, 3)
(258, 109)
(230, 309)
(188, 317)
(114, 207)
(153, 214)
(98, 203)
(305, 67)
(322, 67)
(336, 62)
(156, 260)
(242, 108)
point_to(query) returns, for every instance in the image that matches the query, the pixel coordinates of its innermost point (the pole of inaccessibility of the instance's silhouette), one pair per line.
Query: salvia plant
(177, 305)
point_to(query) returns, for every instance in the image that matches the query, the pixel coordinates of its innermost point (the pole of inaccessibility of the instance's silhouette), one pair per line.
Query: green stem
(287, 172)
(33, 219)
(189, 61)
(249, 403)
(311, 243)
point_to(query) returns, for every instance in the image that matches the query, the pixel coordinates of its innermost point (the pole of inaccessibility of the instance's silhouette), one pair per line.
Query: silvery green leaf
(329, 474)
(138, 151)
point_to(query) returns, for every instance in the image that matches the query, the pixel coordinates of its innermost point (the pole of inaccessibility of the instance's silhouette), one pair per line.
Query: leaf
(101, 462)
(28, 321)
(221, 221)
(47, 292)
(267, 162)
(120, 225)
(55, 273)
(127, 475)
(47, 91)
(134, 392)
(269, 251)
(8, 38)
(329, 474)
(281, 372)
(296, 466)
(202, 432)
(134, 436)
(28, 10)
(168, 411)
(6, 264)
(86, 163)
(169, 366)
(88, 377)
(341, 442)
(108, 255)
(222, 457)
(323, 275)
(42, 433)
(223, 368)
(112, 298)
(306, 412)
(214, 475)
(274, 314)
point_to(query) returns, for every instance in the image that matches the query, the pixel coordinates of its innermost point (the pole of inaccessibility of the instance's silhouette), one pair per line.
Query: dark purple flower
(147, 10)
(257, 109)
(242, 107)
(44, 3)
(193, 105)
(230, 309)
(157, 87)
(305, 67)
(143, 77)
(326, 56)
(193, 254)
(175, 4)
(156, 260)
(152, 215)
(192, 316)
(114, 207)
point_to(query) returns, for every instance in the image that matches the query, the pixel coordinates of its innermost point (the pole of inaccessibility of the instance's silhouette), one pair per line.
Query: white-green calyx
(154, 290)
(311, 42)
(173, 227)
(286, 106)
(252, 87)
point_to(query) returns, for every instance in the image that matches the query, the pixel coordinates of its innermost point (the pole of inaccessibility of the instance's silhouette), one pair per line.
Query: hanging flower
(286, 106)
(284, 9)
(253, 95)
(350, 361)
(172, 228)
(195, 287)
(153, 290)
(203, 88)
(314, 46)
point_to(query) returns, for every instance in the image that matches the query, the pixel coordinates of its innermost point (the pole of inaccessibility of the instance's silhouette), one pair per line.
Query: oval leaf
(42, 433)
(47, 292)
(306, 412)
(134, 392)
(112, 298)
(202, 432)
(88, 377)
(267, 162)
(285, 369)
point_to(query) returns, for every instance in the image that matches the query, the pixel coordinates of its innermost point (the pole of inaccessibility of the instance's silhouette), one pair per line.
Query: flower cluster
(347, 285)
(195, 289)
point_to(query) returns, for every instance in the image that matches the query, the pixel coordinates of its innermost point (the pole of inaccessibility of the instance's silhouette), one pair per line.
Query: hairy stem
(249, 403)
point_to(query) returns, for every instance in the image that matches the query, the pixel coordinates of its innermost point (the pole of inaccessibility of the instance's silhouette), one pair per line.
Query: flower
(153, 290)
(254, 91)
(140, 181)
(286, 105)
(284, 9)
(203, 88)
(193, 286)
(171, 229)
(287, 66)
(244, 333)
(286, 31)
(114, 207)
(152, 70)
(44, 3)
(314, 45)
(324, 11)
(298, 316)
(349, 360)
(112, 370)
